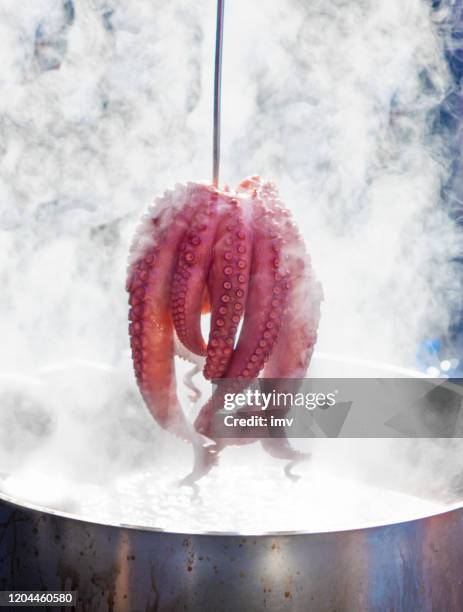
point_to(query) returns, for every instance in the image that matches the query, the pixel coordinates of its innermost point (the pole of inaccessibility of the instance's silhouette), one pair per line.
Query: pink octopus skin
(237, 254)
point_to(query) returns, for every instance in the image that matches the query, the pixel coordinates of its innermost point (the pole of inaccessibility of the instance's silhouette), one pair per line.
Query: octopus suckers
(238, 256)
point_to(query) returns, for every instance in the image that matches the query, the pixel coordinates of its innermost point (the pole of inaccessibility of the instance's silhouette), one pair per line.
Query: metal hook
(217, 93)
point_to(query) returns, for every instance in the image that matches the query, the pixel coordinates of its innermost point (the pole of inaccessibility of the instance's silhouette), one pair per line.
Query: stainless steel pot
(410, 566)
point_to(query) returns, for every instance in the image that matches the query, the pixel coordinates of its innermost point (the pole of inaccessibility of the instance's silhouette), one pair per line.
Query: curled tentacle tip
(301, 457)
(188, 481)
(291, 476)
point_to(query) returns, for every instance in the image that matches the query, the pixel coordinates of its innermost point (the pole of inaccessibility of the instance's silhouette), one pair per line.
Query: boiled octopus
(238, 256)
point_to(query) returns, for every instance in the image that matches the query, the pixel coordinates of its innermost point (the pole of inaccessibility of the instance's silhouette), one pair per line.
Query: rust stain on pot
(154, 607)
(122, 580)
(288, 585)
(107, 582)
(67, 572)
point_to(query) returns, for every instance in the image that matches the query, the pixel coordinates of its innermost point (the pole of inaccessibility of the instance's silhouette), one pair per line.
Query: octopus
(237, 256)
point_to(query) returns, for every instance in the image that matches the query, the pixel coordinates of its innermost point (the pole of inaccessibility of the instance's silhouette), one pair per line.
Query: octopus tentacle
(228, 283)
(188, 381)
(198, 362)
(195, 253)
(151, 328)
(263, 314)
(293, 349)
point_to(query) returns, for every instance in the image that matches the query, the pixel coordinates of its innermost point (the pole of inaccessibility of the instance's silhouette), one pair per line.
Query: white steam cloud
(106, 104)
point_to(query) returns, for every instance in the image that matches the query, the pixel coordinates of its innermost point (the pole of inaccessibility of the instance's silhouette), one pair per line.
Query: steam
(109, 104)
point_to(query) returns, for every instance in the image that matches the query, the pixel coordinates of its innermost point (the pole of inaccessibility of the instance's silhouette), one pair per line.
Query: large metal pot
(410, 566)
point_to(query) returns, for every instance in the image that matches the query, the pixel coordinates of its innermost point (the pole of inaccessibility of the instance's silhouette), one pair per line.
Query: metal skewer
(217, 93)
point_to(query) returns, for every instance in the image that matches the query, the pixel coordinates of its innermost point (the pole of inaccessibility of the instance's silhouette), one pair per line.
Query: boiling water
(128, 472)
(242, 495)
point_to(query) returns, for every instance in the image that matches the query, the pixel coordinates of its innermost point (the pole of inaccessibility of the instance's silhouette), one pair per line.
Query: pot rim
(11, 501)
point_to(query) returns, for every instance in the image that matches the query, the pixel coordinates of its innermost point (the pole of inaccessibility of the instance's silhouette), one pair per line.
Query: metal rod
(217, 93)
